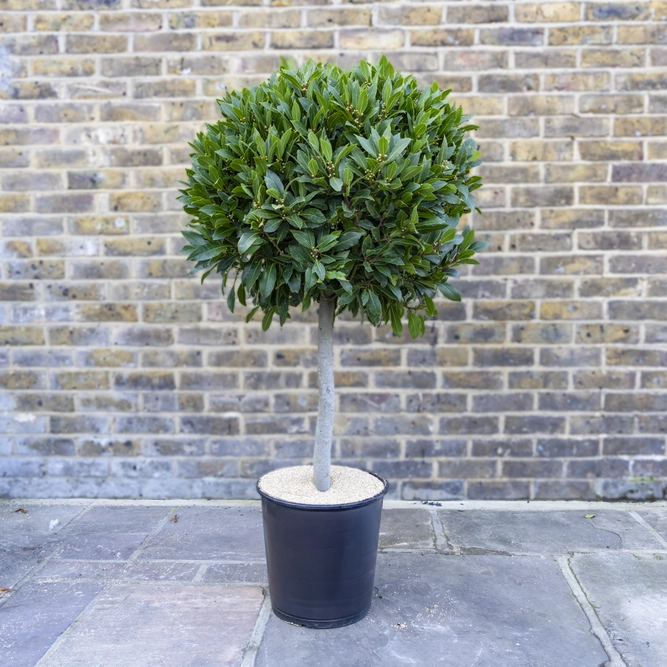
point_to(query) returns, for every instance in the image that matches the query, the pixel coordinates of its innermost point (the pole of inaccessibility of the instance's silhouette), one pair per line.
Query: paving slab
(162, 625)
(434, 609)
(100, 546)
(236, 573)
(406, 529)
(544, 532)
(220, 533)
(119, 519)
(629, 594)
(106, 571)
(33, 618)
(29, 533)
(657, 520)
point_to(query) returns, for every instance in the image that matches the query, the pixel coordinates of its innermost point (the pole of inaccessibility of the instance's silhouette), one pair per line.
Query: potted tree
(342, 188)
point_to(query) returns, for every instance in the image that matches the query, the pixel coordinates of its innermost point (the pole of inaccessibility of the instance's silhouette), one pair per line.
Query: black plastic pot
(321, 559)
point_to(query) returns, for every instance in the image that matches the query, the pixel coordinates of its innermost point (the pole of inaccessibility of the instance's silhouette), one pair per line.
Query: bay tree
(339, 187)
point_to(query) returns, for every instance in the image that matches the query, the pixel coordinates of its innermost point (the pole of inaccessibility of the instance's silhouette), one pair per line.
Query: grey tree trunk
(325, 410)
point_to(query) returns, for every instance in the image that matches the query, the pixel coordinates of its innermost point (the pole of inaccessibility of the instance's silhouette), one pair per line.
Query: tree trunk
(325, 410)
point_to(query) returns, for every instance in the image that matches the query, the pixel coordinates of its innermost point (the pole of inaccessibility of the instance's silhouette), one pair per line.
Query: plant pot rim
(327, 508)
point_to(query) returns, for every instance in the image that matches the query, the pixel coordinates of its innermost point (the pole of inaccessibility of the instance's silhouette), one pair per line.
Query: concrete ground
(183, 584)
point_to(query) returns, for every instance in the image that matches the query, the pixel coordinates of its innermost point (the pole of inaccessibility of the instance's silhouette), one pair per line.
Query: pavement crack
(44, 557)
(608, 530)
(252, 649)
(163, 522)
(615, 658)
(642, 522)
(478, 551)
(440, 539)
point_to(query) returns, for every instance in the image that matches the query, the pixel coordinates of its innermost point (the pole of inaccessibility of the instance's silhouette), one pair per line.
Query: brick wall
(121, 376)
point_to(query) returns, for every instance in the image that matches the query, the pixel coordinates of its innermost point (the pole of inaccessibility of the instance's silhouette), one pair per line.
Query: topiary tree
(339, 187)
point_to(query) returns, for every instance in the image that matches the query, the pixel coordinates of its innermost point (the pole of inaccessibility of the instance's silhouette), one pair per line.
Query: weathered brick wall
(121, 376)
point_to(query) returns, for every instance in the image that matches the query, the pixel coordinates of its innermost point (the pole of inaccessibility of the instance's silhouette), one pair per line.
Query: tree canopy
(347, 185)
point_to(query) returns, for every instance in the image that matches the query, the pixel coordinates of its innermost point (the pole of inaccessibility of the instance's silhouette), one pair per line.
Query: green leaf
(267, 281)
(241, 294)
(373, 307)
(327, 242)
(449, 292)
(203, 253)
(362, 101)
(325, 147)
(319, 270)
(336, 183)
(251, 314)
(231, 300)
(247, 240)
(395, 312)
(304, 238)
(273, 182)
(431, 310)
(251, 273)
(415, 323)
(348, 239)
(268, 317)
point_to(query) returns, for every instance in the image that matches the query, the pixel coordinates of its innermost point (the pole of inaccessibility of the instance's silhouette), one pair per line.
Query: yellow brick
(206, 20)
(21, 336)
(541, 105)
(63, 67)
(12, 23)
(135, 201)
(276, 18)
(442, 37)
(134, 247)
(302, 39)
(547, 12)
(130, 21)
(77, 22)
(570, 310)
(412, 16)
(610, 150)
(28, 5)
(108, 312)
(575, 173)
(470, 13)
(163, 4)
(656, 195)
(95, 43)
(600, 81)
(611, 104)
(541, 151)
(102, 224)
(483, 106)
(338, 16)
(612, 195)
(233, 41)
(613, 57)
(641, 34)
(14, 203)
(582, 34)
(657, 150)
(636, 127)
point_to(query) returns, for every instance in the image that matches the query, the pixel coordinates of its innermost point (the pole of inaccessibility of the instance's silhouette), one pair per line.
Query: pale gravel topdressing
(295, 485)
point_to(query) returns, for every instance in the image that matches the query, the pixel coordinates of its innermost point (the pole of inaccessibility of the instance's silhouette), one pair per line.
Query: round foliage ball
(342, 185)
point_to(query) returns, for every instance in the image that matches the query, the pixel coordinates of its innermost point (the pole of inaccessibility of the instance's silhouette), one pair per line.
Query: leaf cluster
(326, 183)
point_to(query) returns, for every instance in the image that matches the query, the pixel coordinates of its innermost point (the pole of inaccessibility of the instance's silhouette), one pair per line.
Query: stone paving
(460, 583)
